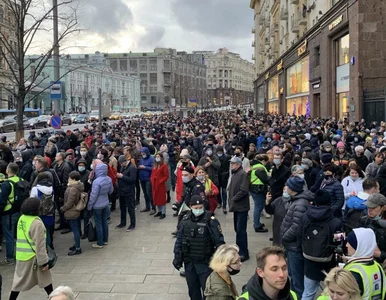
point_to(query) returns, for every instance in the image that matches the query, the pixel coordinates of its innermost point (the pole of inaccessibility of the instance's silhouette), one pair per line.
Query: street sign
(55, 90)
(56, 122)
(192, 103)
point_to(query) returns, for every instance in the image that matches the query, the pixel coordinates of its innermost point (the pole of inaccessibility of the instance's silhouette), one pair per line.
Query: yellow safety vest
(373, 278)
(324, 297)
(245, 296)
(25, 246)
(254, 179)
(11, 197)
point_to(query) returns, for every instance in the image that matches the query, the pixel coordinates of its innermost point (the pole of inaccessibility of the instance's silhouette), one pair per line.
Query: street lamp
(100, 98)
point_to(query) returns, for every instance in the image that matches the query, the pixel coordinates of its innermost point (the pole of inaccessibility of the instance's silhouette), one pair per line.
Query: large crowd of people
(322, 180)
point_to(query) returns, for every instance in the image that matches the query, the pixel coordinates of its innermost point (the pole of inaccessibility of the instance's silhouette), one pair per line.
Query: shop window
(273, 88)
(297, 106)
(343, 50)
(298, 78)
(342, 105)
(273, 107)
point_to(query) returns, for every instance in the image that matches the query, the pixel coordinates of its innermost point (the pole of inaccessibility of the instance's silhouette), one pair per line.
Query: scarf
(327, 182)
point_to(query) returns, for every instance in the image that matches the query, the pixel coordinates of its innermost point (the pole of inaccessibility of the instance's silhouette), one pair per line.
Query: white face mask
(83, 153)
(301, 175)
(157, 159)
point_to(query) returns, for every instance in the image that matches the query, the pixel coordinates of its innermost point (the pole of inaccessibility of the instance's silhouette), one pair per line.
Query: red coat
(158, 178)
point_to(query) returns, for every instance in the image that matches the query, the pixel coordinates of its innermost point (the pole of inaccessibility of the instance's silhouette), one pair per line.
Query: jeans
(127, 201)
(146, 188)
(224, 198)
(259, 201)
(295, 262)
(9, 228)
(162, 209)
(102, 229)
(196, 282)
(310, 288)
(240, 220)
(75, 227)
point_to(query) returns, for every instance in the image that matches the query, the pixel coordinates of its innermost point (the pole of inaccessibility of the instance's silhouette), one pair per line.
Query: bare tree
(30, 22)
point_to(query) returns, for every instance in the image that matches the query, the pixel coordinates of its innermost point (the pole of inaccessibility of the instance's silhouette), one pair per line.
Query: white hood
(366, 242)
(47, 190)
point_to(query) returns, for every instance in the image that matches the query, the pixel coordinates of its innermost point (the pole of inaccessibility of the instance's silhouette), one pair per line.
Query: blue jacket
(102, 186)
(144, 174)
(356, 203)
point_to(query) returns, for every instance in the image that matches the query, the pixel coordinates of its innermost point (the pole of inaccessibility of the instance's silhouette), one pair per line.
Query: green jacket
(217, 289)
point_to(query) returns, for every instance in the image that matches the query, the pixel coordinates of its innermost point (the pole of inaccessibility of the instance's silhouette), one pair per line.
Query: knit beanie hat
(340, 145)
(296, 184)
(352, 240)
(322, 198)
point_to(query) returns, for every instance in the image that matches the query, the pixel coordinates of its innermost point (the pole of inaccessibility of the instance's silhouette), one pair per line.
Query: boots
(168, 197)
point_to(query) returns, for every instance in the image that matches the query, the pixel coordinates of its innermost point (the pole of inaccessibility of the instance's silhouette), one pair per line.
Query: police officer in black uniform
(198, 237)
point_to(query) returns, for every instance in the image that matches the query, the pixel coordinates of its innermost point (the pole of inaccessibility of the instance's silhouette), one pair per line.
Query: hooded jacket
(84, 175)
(71, 199)
(102, 186)
(320, 214)
(26, 169)
(144, 174)
(381, 178)
(256, 292)
(296, 206)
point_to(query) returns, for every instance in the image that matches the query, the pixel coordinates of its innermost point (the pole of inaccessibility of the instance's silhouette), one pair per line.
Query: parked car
(94, 116)
(14, 118)
(66, 120)
(46, 118)
(73, 117)
(7, 125)
(82, 119)
(34, 123)
(116, 116)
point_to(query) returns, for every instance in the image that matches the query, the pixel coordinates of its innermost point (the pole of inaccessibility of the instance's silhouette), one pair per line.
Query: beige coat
(71, 199)
(26, 277)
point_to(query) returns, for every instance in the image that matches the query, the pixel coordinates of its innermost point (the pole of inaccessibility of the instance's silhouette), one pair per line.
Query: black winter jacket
(278, 179)
(335, 189)
(296, 206)
(126, 184)
(239, 191)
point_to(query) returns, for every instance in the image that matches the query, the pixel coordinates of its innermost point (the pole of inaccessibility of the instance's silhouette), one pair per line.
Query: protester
(158, 178)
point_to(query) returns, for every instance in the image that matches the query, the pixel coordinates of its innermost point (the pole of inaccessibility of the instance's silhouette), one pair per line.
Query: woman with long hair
(211, 190)
(340, 285)
(224, 263)
(158, 178)
(31, 254)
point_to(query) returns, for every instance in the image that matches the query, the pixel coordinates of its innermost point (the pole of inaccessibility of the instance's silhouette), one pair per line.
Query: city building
(8, 41)
(81, 84)
(165, 75)
(229, 78)
(321, 58)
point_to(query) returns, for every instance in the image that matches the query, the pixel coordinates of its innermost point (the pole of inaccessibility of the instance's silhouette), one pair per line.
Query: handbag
(92, 236)
(52, 256)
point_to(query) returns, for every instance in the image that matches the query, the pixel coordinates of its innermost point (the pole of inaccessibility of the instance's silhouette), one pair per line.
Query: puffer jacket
(296, 206)
(144, 174)
(335, 189)
(71, 199)
(101, 188)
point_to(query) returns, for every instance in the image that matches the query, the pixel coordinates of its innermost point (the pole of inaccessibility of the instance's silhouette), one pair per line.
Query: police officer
(369, 274)
(198, 237)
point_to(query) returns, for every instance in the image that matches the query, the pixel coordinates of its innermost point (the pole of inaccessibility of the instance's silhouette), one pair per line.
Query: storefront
(273, 95)
(297, 96)
(343, 76)
(260, 99)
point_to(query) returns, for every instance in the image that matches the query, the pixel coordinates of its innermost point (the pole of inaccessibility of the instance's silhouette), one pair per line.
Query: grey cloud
(230, 18)
(153, 36)
(106, 17)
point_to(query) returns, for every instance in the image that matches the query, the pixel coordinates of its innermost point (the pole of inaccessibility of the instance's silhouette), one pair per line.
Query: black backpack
(316, 242)
(47, 206)
(21, 192)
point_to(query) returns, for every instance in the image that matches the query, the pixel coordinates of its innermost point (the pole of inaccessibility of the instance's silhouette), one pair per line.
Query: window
(153, 65)
(143, 65)
(143, 77)
(133, 65)
(123, 65)
(114, 65)
(143, 99)
(343, 50)
(167, 78)
(153, 78)
(153, 99)
(167, 65)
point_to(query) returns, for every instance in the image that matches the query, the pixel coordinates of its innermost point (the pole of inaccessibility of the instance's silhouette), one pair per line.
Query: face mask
(143, 155)
(233, 147)
(33, 163)
(286, 195)
(328, 149)
(269, 140)
(185, 179)
(83, 153)
(92, 167)
(209, 152)
(354, 178)
(237, 154)
(327, 177)
(124, 143)
(219, 154)
(201, 177)
(100, 156)
(377, 218)
(96, 144)
(198, 212)
(81, 169)
(305, 167)
(277, 162)
(232, 271)
(301, 176)
(157, 159)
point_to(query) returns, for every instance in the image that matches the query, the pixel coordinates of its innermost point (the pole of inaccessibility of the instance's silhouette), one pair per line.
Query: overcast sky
(142, 25)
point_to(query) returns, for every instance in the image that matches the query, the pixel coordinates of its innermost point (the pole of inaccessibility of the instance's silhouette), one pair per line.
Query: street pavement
(135, 265)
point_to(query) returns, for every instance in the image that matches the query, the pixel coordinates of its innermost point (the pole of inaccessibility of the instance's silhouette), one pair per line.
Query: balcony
(253, 44)
(294, 2)
(302, 20)
(284, 14)
(294, 27)
(253, 30)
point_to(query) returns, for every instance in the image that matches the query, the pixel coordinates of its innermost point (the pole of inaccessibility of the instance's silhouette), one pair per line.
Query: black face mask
(233, 271)
(238, 154)
(327, 177)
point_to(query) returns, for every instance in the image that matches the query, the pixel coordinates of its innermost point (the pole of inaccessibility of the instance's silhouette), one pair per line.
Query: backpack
(21, 192)
(47, 206)
(316, 241)
(82, 201)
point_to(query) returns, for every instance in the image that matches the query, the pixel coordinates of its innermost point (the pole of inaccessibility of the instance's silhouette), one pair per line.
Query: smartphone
(268, 189)
(339, 236)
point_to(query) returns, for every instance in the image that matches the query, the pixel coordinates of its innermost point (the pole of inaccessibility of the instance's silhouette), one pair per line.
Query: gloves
(176, 206)
(177, 263)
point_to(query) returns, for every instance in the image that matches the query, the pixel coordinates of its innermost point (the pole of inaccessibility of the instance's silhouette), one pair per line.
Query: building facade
(330, 61)
(229, 78)
(81, 84)
(168, 78)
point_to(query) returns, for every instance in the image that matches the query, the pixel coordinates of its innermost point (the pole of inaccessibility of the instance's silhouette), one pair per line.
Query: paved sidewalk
(135, 265)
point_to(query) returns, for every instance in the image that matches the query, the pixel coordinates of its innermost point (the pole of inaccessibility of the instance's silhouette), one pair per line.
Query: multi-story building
(229, 78)
(8, 41)
(321, 58)
(165, 74)
(81, 84)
